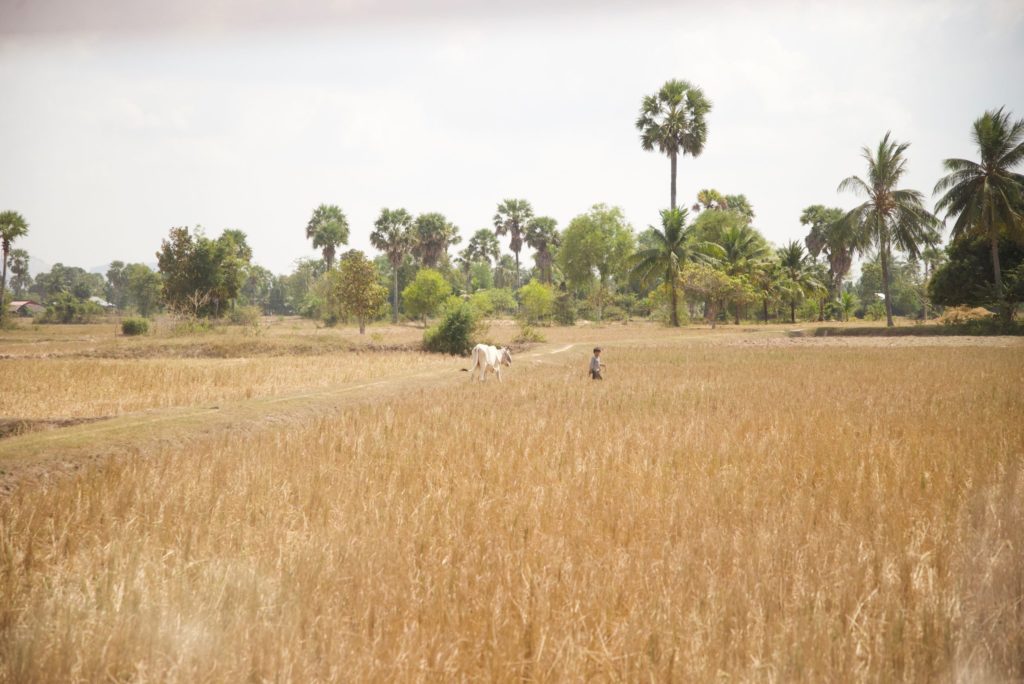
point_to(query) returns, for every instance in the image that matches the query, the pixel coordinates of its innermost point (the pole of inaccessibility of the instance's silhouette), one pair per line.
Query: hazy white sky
(121, 119)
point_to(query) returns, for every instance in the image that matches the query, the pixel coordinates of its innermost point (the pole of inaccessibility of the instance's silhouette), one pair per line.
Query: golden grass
(709, 511)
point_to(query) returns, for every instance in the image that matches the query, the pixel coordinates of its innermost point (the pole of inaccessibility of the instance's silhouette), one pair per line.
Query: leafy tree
(142, 288)
(12, 227)
(967, 277)
(891, 216)
(201, 274)
(538, 302)
(542, 235)
(511, 219)
(456, 333)
(434, 234)
(257, 286)
(669, 250)
(987, 197)
(298, 291)
(21, 279)
(672, 121)
(716, 287)
(798, 269)
(117, 285)
(835, 238)
(425, 295)
(327, 228)
(905, 290)
(392, 234)
(356, 289)
(65, 307)
(596, 247)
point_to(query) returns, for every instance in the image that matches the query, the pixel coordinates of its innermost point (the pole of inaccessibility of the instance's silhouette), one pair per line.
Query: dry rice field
(734, 505)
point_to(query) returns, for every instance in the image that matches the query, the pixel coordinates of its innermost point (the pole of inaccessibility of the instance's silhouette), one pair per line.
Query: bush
(245, 315)
(456, 333)
(875, 311)
(538, 302)
(565, 309)
(134, 326)
(528, 334)
(67, 308)
(425, 295)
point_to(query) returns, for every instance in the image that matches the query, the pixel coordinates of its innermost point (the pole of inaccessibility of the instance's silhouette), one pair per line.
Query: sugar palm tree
(12, 227)
(798, 269)
(392, 234)
(986, 196)
(434, 235)
(674, 246)
(512, 218)
(672, 121)
(542, 235)
(891, 216)
(837, 239)
(327, 228)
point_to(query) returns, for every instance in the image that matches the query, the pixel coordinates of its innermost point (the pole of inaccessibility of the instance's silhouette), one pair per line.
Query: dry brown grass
(710, 511)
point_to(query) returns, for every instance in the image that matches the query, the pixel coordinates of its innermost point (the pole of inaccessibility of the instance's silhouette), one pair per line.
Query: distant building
(99, 301)
(25, 308)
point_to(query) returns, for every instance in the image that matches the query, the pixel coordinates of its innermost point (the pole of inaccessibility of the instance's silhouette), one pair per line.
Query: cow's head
(506, 357)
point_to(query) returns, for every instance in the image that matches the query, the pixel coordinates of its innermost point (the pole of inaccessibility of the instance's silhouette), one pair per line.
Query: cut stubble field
(723, 505)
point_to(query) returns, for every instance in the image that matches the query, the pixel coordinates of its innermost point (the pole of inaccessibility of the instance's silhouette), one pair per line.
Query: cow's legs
(497, 371)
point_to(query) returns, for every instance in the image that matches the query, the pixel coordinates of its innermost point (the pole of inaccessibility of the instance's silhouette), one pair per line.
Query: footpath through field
(36, 456)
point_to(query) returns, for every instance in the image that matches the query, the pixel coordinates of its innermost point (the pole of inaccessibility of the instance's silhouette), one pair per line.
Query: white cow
(488, 358)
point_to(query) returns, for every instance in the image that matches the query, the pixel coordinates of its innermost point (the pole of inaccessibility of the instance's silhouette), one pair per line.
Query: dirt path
(38, 456)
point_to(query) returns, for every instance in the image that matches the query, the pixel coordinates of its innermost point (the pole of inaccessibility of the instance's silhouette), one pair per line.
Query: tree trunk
(673, 315)
(766, 312)
(518, 285)
(792, 311)
(1004, 310)
(394, 310)
(737, 313)
(821, 309)
(3, 287)
(884, 254)
(672, 156)
(362, 325)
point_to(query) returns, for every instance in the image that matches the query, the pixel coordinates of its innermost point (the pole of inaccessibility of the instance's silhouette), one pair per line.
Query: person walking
(595, 365)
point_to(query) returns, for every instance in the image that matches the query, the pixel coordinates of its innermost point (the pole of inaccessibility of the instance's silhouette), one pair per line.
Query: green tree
(670, 249)
(770, 284)
(327, 228)
(830, 235)
(355, 287)
(542, 236)
(142, 288)
(596, 247)
(201, 275)
(745, 249)
(117, 283)
(511, 219)
(848, 303)
(21, 279)
(673, 122)
(987, 197)
(392, 234)
(12, 227)
(717, 288)
(538, 302)
(890, 217)
(798, 269)
(967, 278)
(434, 234)
(425, 295)
(257, 286)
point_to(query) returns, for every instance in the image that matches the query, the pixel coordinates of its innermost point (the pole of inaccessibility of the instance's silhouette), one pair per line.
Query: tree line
(704, 261)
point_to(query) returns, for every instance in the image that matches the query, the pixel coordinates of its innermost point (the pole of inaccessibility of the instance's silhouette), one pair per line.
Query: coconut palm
(512, 218)
(542, 235)
(848, 303)
(392, 234)
(891, 216)
(434, 235)
(770, 283)
(327, 228)
(799, 271)
(12, 227)
(744, 250)
(672, 121)
(987, 196)
(674, 246)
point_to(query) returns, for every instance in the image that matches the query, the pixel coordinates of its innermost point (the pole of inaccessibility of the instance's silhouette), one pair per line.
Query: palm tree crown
(987, 196)
(542, 235)
(672, 121)
(12, 227)
(674, 245)
(890, 216)
(434, 234)
(328, 228)
(798, 268)
(392, 234)
(511, 219)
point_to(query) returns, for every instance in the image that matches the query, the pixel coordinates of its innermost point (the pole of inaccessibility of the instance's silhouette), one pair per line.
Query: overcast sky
(122, 118)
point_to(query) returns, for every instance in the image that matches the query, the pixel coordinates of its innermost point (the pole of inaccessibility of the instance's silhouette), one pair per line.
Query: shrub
(245, 315)
(565, 309)
(875, 311)
(134, 326)
(482, 303)
(528, 334)
(67, 308)
(425, 295)
(538, 302)
(456, 333)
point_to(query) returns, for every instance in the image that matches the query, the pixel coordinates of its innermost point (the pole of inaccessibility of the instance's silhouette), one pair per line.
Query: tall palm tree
(798, 269)
(672, 120)
(542, 235)
(891, 216)
(512, 218)
(744, 249)
(12, 227)
(770, 283)
(434, 235)
(392, 234)
(986, 196)
(674, 246)
(327, 228)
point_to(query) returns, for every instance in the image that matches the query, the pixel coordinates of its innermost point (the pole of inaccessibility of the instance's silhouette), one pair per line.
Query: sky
(122, 119)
